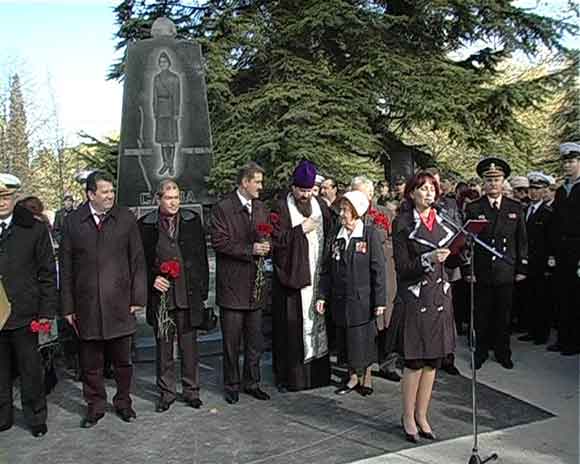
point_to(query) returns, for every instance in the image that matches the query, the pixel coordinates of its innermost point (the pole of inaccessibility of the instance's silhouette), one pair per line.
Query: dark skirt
(357, 346)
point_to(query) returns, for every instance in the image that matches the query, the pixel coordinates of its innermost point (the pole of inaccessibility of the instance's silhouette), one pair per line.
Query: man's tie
(495, 205)
(170, 226)
(101, 218)
(3, 227)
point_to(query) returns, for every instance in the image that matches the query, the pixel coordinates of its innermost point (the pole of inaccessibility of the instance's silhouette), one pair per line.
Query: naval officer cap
(9, 184)
(493, 167)
(519, 182)
(538, 179)
(570, 150)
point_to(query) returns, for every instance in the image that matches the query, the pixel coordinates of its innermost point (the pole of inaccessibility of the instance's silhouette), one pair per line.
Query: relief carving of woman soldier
(166, 109)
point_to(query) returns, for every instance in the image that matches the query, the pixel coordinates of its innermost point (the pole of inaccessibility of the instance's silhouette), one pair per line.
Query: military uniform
(495, 277)
(565, 240)
(534, 297)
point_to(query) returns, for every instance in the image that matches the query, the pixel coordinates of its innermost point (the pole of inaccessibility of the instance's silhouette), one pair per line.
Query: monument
(165, 128)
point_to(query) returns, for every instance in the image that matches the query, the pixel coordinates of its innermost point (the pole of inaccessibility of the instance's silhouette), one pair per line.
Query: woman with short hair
(419, 240)
(353, 281)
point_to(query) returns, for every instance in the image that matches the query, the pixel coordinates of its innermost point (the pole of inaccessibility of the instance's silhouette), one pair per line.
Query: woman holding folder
(422, 260)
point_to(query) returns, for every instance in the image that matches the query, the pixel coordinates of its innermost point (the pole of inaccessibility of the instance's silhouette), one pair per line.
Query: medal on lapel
(361, 247)
(336, 247)
(512, 215)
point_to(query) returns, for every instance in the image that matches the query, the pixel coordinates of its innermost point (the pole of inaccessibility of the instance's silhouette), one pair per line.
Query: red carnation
(170, 268)
(264, 230)
(373, 213)
(35, 326)
(274, 218)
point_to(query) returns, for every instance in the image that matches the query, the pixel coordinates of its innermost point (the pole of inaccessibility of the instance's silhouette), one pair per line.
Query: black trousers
(93, 353)
(569, 312)
(188, 353)
(493, 306)
(236, 323)
(21, 347)
(537, 305)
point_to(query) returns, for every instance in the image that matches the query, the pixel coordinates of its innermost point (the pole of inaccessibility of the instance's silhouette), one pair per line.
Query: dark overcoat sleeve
(521, 244)
(378, 269)
(222, 239)
(137, 265)
(407, 264)
(46, 276)
(201, 246)
(66, 272)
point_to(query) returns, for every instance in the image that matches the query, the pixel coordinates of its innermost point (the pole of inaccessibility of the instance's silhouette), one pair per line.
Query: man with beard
(565, 240)
(300, 345)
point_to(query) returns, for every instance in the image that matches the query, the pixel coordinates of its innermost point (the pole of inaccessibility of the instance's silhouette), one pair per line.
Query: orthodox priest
(301, 222)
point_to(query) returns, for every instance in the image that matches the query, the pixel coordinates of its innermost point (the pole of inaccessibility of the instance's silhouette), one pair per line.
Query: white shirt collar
(245, 202)
(8, 220)
(495, 200)
(356, 233)
(94, 213)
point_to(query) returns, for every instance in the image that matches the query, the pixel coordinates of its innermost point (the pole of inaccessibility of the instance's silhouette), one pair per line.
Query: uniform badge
(361, 247)
(336, 248)
(512, 216)
(481, 216)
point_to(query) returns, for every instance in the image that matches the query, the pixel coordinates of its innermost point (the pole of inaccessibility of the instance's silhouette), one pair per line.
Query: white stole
(313, 324)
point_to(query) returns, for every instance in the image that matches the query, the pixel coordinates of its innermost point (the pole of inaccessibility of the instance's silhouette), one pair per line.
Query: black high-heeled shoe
(365, 391)
(426, 435)
(408, 436)
(346, 389)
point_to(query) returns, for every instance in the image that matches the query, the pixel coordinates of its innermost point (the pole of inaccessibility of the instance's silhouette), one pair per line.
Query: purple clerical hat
(304, 175)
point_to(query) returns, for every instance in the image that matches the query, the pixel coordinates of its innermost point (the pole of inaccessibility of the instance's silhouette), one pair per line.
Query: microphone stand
(473, 239)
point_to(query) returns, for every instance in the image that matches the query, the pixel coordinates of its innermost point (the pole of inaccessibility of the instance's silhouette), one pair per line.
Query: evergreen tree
(17, 146)
(99, 154)
(347, 82)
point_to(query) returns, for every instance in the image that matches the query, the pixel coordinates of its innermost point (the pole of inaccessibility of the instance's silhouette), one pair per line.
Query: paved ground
(528, 415)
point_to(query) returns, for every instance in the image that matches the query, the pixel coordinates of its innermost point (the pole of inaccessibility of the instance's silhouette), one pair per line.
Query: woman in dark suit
(419, 239)
(353, 279)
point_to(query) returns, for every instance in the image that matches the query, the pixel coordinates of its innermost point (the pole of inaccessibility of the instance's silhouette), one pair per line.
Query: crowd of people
(362, 276)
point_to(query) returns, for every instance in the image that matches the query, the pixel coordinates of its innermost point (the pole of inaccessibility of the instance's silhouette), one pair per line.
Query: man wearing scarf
(300, 346)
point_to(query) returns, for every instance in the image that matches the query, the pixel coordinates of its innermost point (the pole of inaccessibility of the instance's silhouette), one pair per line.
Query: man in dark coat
(28, 273)
(60, 216)
(174, 233)
(301, 223)
(495, 277)
(534, 294)
(238, 247)
(103, 283)
(565, 243)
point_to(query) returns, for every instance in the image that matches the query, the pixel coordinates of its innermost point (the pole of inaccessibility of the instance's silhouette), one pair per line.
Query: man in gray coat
(103, 282)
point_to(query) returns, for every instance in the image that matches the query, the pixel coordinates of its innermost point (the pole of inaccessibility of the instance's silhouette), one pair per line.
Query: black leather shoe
(232, 397)
(163, 405)
(38, 430)
(194, 403)
(479, 362)
(6, 427)
(426, 435)
(90, 421)
(451, 369)
(572, 352)
(408, 436)
(526, 338)
(257, 393)
(126, 414)
(554, 347)
(346, 389)
(365, 391)
(506, 363)
(391, 375)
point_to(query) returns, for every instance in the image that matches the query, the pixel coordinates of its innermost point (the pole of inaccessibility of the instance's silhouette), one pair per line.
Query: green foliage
(17, 150)
(346, 82)
(99, 154)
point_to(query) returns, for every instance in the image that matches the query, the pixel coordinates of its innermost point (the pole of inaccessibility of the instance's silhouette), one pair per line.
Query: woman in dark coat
(353, 280)
(419, 238)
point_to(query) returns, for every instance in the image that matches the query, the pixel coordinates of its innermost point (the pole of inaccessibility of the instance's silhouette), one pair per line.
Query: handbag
(208, 320)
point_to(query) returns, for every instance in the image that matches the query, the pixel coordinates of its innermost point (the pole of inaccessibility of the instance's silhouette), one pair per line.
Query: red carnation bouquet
(380, 220)
(171, 270)
(264, 232)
